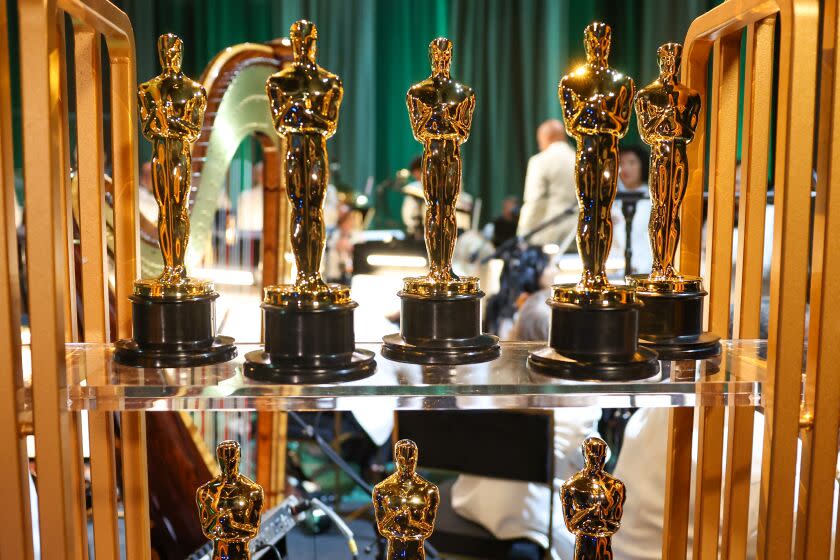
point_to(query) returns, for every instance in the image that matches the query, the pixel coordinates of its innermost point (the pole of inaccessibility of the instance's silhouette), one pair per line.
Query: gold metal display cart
(791, 119)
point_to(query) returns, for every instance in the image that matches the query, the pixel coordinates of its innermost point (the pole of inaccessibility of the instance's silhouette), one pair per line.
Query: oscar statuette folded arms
(229, 507)
(594, 324)
(405, 505)
(671, 320)
(309, 336)
(593, 503)
(440, 320)
(173, 314)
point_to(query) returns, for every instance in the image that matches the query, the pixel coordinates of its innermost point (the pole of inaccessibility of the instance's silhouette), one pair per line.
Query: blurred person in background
(549, 186)
(504, 227)
(414, 203)
(338, 261)
(633, 167)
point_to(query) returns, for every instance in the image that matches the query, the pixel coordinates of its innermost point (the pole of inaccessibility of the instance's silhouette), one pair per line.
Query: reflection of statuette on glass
(229, 507)
(309, 336)
(594, 324)
(671, 320)
(593, 503)
(440, 321)
(405, 505)
(173, 314)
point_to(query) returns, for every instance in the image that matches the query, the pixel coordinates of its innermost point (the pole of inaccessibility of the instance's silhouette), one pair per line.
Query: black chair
(510, 445)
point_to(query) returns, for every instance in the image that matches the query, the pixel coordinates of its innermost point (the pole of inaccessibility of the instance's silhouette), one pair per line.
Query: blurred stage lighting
(396, 261)
(227, 276)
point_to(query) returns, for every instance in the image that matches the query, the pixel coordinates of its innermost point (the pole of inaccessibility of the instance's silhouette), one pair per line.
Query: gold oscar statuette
(441, 111)
(440, 313)
(229, 507)
(309, 332)
(671, 320)
(405, 505)
(596, 101)
(173, 315)
(305, 101)
(593, 503)
(594, 324)
(171, 113)
(667, 112)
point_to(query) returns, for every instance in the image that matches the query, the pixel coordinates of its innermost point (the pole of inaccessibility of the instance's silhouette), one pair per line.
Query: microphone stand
(629, 200)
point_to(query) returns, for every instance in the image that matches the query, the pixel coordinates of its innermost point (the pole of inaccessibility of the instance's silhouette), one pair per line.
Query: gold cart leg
(135, 484)
(724, 111)
(44, 117)
(677, 479)
(788, 280)
(819, 447)
(681, 421)
(15, 516)
(126, 266)
(758, 83)
(94, 275)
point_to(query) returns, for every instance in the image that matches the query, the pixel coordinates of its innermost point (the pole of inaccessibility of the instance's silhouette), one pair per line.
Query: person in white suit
(549, 186)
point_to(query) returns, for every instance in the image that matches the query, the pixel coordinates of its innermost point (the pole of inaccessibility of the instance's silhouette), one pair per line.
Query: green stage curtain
(512, 52)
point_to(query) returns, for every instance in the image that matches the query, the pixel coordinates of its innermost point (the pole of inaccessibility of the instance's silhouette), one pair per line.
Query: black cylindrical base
(440, 330)
(672, 324)
(174, 333)
(309, 345)
(592, 342)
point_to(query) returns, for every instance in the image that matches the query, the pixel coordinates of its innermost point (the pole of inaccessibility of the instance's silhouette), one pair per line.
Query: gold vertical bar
(677, 480)
(15, 516)
(758, 81)
(40, 61)
(722, 161)
(91, 183)
(819, 448)
(71, 323)
(695, 76)
(126, 240)
(95, 276)
(71, 318)
(681, 420)
(135, 485)
(788, 280)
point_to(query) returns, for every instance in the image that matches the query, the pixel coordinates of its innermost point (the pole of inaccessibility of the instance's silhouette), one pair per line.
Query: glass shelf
(96, 382)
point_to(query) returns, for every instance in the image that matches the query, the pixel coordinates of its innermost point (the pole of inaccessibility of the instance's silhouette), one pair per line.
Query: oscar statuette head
(670, 57)
(405, 456)
(596, 40)
(304, 37)
(440, 56)
(594, 453)
(227, 453)
(170, 49)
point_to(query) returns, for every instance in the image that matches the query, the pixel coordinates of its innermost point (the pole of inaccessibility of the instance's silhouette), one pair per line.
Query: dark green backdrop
(512, 52)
